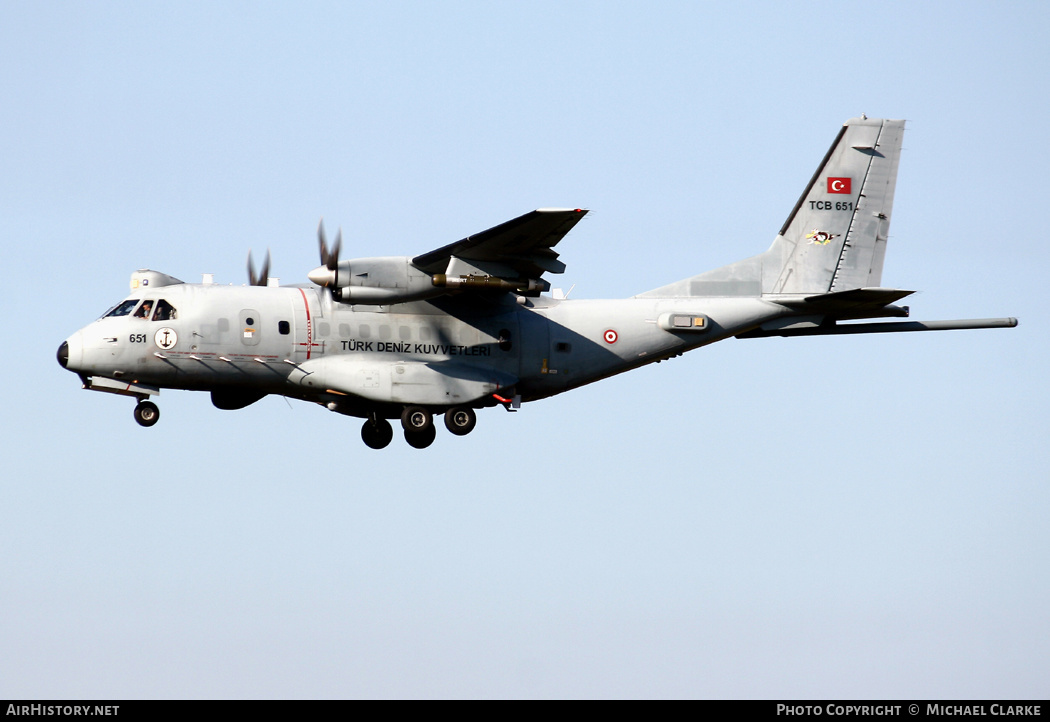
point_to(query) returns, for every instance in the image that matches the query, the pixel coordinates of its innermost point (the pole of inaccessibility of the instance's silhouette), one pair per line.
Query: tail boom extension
(835, 329)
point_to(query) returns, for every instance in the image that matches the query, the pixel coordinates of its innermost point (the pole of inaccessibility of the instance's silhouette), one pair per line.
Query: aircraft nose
(71, 352)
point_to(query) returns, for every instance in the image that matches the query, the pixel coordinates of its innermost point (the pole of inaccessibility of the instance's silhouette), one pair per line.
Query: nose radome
(71, 352)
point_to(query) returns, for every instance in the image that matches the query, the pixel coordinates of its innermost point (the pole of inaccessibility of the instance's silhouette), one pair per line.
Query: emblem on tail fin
(821, 238)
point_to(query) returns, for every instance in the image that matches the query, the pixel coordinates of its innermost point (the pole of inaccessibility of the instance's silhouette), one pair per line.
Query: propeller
(329, 259)
(264, 275)
(326, 274)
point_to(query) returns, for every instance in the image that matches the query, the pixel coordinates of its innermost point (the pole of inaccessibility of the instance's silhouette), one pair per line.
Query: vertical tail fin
(835, 237)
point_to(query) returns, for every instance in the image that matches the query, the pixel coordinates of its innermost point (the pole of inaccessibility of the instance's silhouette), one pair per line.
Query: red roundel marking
(611, 336)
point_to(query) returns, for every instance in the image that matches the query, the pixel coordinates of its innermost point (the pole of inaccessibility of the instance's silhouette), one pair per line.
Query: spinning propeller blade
(264, 276)
(325, 275)
(329, 259)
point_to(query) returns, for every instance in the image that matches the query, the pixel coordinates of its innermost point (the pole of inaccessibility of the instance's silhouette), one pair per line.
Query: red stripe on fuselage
(309, 326)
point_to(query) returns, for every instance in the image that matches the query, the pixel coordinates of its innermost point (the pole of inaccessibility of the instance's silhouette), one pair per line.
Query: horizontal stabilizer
(855, 303)
(864, 296)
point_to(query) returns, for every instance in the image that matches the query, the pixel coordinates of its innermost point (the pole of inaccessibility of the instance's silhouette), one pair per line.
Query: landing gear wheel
(147, 413)
(460, 420)
(416, 419)
(377, 434)
(421, 439)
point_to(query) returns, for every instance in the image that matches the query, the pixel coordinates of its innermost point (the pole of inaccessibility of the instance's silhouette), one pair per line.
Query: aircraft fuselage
(261, 338)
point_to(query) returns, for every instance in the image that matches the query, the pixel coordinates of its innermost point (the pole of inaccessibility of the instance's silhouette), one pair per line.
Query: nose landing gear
(147, 413)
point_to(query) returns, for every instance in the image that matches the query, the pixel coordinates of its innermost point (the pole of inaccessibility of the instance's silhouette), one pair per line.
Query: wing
(521, 248)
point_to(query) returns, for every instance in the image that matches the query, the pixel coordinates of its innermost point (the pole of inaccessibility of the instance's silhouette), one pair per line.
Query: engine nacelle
(385, 281)
(376, 281)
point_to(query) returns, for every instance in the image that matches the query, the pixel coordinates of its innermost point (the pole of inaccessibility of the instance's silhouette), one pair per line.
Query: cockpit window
(159, 310)
(144, 310)
(123, 308)
(165, 311)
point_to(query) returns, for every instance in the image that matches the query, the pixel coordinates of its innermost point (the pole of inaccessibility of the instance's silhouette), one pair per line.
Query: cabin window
(323, 329)
(404, 332)
(384, 333)
(505, 343)
(344, 330)
(165, 311)
(364, 331)
(563, 347)
(284, 328)
(424, 333)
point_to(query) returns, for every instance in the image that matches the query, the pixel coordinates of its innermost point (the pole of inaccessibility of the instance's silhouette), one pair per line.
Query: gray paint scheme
(380, 337)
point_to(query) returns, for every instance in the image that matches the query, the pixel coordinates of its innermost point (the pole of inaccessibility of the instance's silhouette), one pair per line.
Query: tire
(415, 419)
(147, 413)
(460, 420)
(421, 439)
(377, 435)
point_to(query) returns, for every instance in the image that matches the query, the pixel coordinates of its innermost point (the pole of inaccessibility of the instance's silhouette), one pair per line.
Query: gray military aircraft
(466, 326)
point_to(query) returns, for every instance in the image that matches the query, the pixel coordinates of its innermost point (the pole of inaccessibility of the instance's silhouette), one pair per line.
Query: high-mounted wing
(508, 258)
(520, 248)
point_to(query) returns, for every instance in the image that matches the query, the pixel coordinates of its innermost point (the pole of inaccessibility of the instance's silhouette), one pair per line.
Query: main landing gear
(460, 420)
(418, 424)
(419, 427)
(377, 433)
(147, 413)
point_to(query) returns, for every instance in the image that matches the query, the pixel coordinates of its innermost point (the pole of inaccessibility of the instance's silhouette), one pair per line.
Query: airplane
(469, 325)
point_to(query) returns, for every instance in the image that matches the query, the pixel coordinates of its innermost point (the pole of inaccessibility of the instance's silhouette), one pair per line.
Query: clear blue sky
(837, 517)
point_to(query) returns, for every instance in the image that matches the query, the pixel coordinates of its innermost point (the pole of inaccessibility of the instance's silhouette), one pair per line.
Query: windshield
(123, 308)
